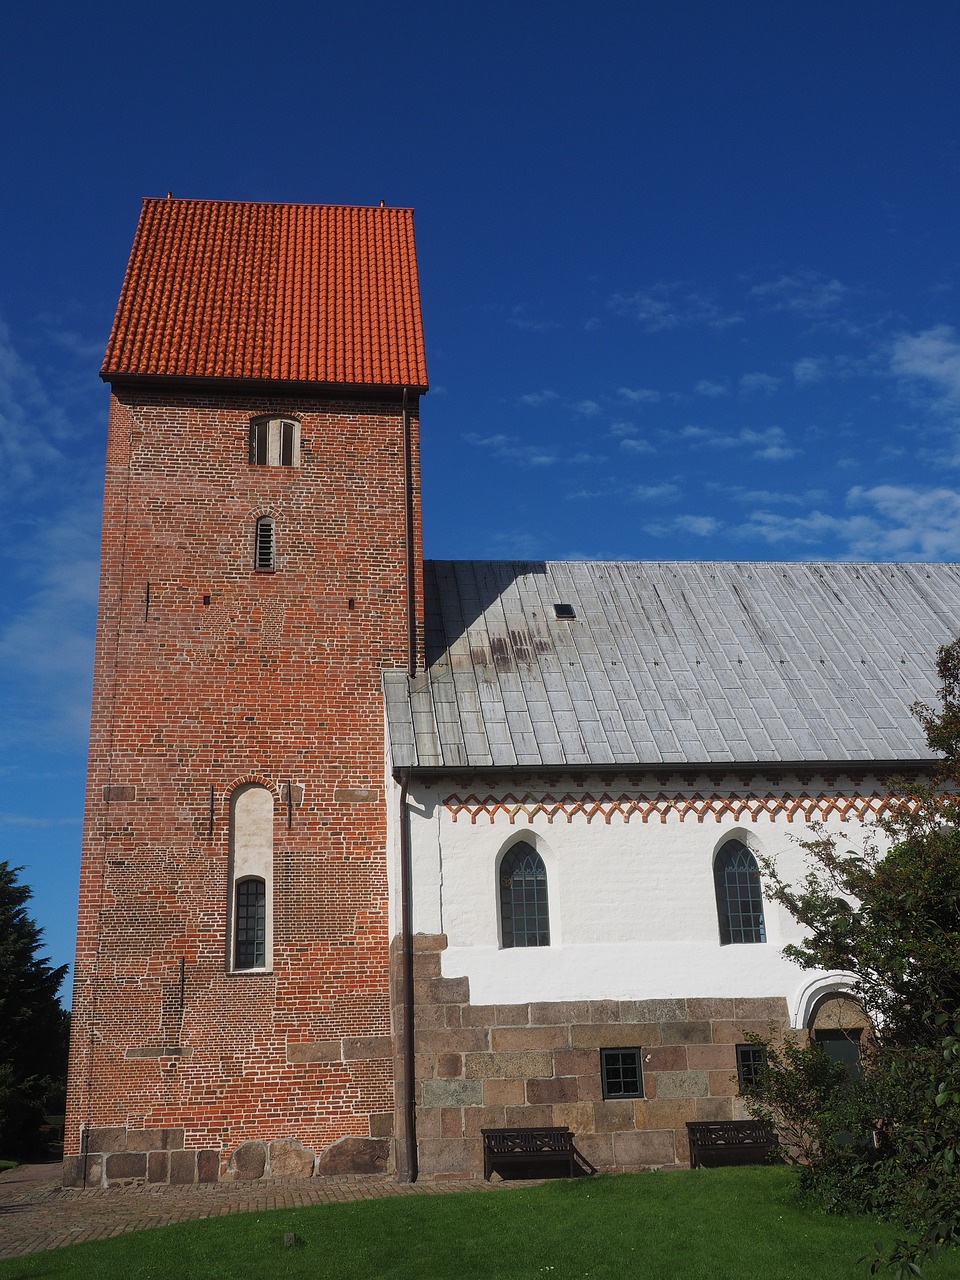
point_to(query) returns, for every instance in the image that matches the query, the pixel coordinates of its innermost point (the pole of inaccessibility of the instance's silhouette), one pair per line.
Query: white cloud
(930, 361)
(770, 444)
(538, 398)
(885, 522)
(502, 446)
(702, 526)
(810, 369)
(655, 492)
(587, 408)
(631, 445)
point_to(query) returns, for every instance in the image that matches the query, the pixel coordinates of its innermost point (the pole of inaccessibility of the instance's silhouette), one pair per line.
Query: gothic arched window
(524, 912)
(739, 896)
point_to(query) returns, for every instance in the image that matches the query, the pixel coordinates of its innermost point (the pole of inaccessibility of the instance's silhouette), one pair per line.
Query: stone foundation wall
(125, 1157)
(490, 1066)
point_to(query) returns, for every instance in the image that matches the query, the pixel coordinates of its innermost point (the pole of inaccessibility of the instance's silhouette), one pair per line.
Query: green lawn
(721, 1224)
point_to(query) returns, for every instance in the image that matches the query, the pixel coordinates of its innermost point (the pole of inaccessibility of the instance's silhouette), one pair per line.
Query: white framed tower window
(274, 442)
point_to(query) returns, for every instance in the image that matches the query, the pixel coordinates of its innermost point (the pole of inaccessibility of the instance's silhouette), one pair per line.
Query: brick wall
(491, 1066)
(209, 674)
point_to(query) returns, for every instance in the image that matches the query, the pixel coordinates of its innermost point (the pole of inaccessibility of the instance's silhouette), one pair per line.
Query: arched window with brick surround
(524, 908)
(250, 934)
(739, 894)
(265, 545)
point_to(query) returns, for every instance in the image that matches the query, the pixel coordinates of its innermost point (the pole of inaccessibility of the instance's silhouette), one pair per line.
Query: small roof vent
(565, 611)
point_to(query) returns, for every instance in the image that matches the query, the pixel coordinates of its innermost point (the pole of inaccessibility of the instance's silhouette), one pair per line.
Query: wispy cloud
(769, 444)
(655, 492)
(501, 446)
(884, 522)
(758, 383)
(712, 390)
(638, 395)
(537, 398)
(520, 320)
(806, 293)
(672, 306)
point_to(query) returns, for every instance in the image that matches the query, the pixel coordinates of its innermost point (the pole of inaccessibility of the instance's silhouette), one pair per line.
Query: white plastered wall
(632, 904)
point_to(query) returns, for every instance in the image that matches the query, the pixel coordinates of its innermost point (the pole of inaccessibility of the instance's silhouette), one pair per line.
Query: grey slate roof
(672, 663)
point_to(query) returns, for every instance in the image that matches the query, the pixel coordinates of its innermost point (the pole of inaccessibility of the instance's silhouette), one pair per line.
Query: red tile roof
(302, 293)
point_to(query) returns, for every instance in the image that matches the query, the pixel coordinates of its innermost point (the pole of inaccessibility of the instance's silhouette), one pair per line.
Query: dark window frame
(273, 431)
(621, 1073)
(524, 898)
(751, 1060)
(250, 924)
(736, 878)
(265, 545)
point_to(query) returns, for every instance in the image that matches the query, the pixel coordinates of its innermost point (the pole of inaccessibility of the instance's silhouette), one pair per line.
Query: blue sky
(690, 279)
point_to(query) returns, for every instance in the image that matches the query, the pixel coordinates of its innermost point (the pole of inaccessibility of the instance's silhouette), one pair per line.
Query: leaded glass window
(524, 914)
(250, 925)
(739, 896)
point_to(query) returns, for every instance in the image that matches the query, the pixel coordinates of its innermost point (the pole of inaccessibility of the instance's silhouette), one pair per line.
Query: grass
(724, 1224)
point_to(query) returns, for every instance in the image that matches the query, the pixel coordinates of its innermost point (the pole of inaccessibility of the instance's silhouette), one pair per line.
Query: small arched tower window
(274, 442)
(739, 895)
(264, 547)
(524, 911)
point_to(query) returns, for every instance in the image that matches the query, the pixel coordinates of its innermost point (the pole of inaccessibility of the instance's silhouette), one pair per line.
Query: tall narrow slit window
(250, 925)
(264, 550)
(274, 442)
(739, 895)
(524, 911)
(250, 932)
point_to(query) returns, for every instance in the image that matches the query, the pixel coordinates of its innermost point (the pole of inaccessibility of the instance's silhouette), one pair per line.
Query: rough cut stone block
(604, 1011)
(125, 1164)
(626, 1035)
(509, 1065)
(289, 1158)
(723, 1084)
(106, 1140)
(449, 1066)
(510, 1038)
(655, 1010)
(208, 1166)
(709, 1010)
(577, 1116)
(355, 1155)
(737, 1032)
(453, 1093)
(365, 1048)
(449, 990)
(183, 1168)
(773, 1008)
(683, 1084)
(577, 1062)
(528, 1116)
(711, 1057)
(513, 1015)
(685, 1033)
(314, 1051)
(563, 1089)
(428, 1123)
(596, 1147)
(641, 1150)
(714, 1109)
(505, 1093)
(559, 1013)
(451, 1122)
(453, 1040)
(479, 1015)
(429, 942)
(463, 1158)
(426, 964)
(158, 1166)
(613, 1115)
(381, 1125)
(478, 1118)
(666, 1058)
(248, 1162)
(72, 1171)
(660, 1113)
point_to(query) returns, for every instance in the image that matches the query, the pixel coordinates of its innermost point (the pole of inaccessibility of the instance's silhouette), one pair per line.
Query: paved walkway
(36, 1213)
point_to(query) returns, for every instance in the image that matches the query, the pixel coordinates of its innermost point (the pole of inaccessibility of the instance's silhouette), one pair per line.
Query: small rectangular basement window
(621, 1074)
(751, 1059)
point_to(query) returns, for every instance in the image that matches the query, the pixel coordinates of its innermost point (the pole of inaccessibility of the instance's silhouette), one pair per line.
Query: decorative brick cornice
(807, 806)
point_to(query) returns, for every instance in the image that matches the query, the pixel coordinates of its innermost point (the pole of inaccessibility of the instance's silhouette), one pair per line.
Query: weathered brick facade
(210, 674)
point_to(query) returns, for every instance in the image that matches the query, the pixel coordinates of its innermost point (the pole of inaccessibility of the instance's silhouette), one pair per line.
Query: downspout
(408, 531)
(408, 1171)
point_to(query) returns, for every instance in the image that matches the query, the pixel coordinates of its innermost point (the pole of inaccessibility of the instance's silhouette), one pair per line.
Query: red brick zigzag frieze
(802, 805)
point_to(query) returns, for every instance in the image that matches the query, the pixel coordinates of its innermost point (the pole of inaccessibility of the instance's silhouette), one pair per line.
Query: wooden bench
(529, 1152)
(714, 1143)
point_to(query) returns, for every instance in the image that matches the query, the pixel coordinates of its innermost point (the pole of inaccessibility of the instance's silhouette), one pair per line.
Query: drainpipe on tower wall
(407, 1146)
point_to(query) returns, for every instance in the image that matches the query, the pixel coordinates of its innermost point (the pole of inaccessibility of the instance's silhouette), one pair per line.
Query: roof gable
(301, 293)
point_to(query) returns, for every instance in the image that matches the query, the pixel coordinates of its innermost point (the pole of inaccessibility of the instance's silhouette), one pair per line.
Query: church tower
(261, 569)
